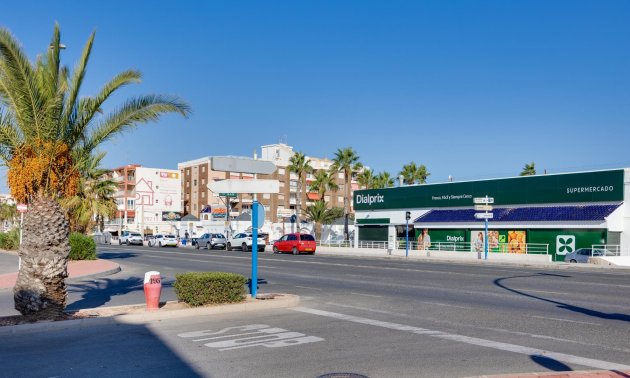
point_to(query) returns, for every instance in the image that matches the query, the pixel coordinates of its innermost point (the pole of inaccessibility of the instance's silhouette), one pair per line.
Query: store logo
(369, 199)
(565, 244)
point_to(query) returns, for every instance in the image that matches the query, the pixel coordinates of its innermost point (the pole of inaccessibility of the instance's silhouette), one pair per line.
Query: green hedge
(202, 288)
(10, 240)
(82, 247)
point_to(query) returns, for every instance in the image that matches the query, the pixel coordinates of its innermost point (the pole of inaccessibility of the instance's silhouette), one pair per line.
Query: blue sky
(472, 89)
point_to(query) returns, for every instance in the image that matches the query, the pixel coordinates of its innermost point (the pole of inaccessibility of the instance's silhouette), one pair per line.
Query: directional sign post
(483, 204)
(255, 186)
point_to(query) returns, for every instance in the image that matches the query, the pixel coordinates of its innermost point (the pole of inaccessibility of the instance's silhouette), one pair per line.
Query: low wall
(415, 254)
(610, 260)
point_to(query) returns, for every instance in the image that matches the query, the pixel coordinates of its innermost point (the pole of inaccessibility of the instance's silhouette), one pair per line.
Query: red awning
(313, 196)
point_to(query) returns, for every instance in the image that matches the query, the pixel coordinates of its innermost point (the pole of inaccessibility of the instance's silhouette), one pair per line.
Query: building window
(340, 175)
(195, 182)
(203, 168)
(203, 194)
(281, 171)
(187, 184)
(340, 199)
(327, 198)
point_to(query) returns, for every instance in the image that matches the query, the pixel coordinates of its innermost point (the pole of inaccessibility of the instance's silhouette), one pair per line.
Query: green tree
(529, 170)
(324, 181)
(320, 214)
(94, 200)
(383, 180)
(346, 161)
(366, 179)
(47, 133)
(301, 166)
(413, 173)
(8, 213)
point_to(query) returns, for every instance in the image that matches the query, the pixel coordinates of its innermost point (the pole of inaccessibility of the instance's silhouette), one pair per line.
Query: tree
(366, 179)
(301, 166)
(8, 213)
(47, 133)
(383, 180)
(413, 173)
(320, 214)
(529, 170)
(346, 161)
(324, 181)
(94, 200)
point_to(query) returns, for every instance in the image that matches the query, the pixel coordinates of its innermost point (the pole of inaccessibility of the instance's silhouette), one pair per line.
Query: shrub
(82, 247)
(10, 240)
(201, 288)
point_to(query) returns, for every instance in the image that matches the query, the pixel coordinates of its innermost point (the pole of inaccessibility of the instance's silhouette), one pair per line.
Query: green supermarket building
(554, 214)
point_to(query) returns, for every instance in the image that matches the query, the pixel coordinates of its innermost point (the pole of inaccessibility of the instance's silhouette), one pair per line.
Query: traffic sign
(231, 195)
(261, 214)
(242, 165)
(245, 186)
(22, 208)
(483, 207)
(484, 215)
(483, 200)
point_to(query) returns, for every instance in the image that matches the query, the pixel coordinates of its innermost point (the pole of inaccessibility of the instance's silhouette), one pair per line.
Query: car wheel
(208, 246)
(244, 247)
(228, 247)
(119, 242)
(295, 251)
(573, 261)
(275, 249)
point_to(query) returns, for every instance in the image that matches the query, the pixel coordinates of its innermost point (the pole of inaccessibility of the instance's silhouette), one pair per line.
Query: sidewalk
(76, 269)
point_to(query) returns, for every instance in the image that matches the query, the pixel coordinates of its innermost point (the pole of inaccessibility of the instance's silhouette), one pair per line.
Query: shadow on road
(566, 306)
(97, 293)
(116, 255)
(550, 363)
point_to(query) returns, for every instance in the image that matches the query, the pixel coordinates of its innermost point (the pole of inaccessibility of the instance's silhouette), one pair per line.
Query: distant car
(210, 241)
(163, 241)
(128, 237)
(244, 241)
(581, 255)
(295, 243)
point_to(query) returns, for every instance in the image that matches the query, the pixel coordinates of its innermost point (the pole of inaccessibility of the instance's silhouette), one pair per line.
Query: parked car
(581, 255)
(210, 241)
(244, 241)
(163, 241)
(128, 237)
(295, 243)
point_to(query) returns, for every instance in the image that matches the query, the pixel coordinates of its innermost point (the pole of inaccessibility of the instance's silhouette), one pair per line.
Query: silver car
(210, 241)
(581, 255)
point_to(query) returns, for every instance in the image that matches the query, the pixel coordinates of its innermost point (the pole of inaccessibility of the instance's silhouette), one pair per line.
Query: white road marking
(367, 295)
(361, 308)
(562, 357)
(445, 304)
(565, 320)
(308, 287)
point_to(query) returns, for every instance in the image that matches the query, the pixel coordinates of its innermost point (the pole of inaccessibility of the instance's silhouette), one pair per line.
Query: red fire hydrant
(152, 290)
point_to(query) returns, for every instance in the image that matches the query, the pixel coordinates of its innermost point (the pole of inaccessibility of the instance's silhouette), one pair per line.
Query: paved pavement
(377, 317)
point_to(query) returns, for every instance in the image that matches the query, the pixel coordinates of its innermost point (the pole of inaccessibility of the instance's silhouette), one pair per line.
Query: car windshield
(170, 236)
(307, 237)
(135, 234)
(220, 236)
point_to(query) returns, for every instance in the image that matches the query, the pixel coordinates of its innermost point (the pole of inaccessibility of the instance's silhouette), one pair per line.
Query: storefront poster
(516, 241)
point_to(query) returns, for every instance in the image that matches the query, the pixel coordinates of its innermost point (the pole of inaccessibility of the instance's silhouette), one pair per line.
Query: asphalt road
(376, 317)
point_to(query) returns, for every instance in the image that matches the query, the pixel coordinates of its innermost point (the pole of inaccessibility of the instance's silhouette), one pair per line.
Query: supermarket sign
(600, 186)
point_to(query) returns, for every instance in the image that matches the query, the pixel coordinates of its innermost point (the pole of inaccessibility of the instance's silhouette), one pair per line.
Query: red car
(295, 243)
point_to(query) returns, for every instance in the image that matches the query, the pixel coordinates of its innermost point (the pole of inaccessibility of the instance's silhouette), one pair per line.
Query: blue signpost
(254, 279)
(484, 204)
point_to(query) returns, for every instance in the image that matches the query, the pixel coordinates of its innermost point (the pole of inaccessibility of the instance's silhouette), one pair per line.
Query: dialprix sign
(601, 186)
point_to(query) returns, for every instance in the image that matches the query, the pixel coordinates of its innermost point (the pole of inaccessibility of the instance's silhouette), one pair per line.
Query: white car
(244, 242)
(128, 238)
(163, 241)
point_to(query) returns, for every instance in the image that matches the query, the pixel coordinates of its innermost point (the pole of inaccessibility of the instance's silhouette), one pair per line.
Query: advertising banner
(171, 216)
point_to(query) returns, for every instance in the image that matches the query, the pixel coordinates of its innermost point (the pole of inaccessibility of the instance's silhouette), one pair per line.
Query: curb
(98, 274)
(562, 374)
(280, 301)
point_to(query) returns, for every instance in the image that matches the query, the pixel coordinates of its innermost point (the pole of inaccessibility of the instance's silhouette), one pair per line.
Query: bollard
(152, 290)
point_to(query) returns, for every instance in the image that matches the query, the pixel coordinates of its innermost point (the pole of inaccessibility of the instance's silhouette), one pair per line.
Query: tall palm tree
(529, 170)
(301, 166)
(94, 200)
(347, 161)
(413, 173)
(47, 132)
(383, 180)
(324, 181)
(320, 214)
(365, 178)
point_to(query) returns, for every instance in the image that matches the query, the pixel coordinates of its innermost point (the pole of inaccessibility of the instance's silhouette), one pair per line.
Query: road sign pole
(254, 281)
(486, 238)
(407, 238)
(21, 227)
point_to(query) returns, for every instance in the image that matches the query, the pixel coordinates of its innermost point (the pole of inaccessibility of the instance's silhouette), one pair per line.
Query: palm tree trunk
(298, 204)
(346, 208)
(318, 231)
(40, 290)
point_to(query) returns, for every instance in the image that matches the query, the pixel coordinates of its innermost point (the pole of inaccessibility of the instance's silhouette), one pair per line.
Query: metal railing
(608, 250)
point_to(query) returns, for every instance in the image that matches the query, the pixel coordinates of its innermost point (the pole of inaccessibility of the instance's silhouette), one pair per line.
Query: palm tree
(529, 170)
(347, 161)
(8, 213)
(47, 133)
(383, 180)
(94, 200)
(366, 179)
(320, 214)
(324, 181)
(413, 173)
(301, 166)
